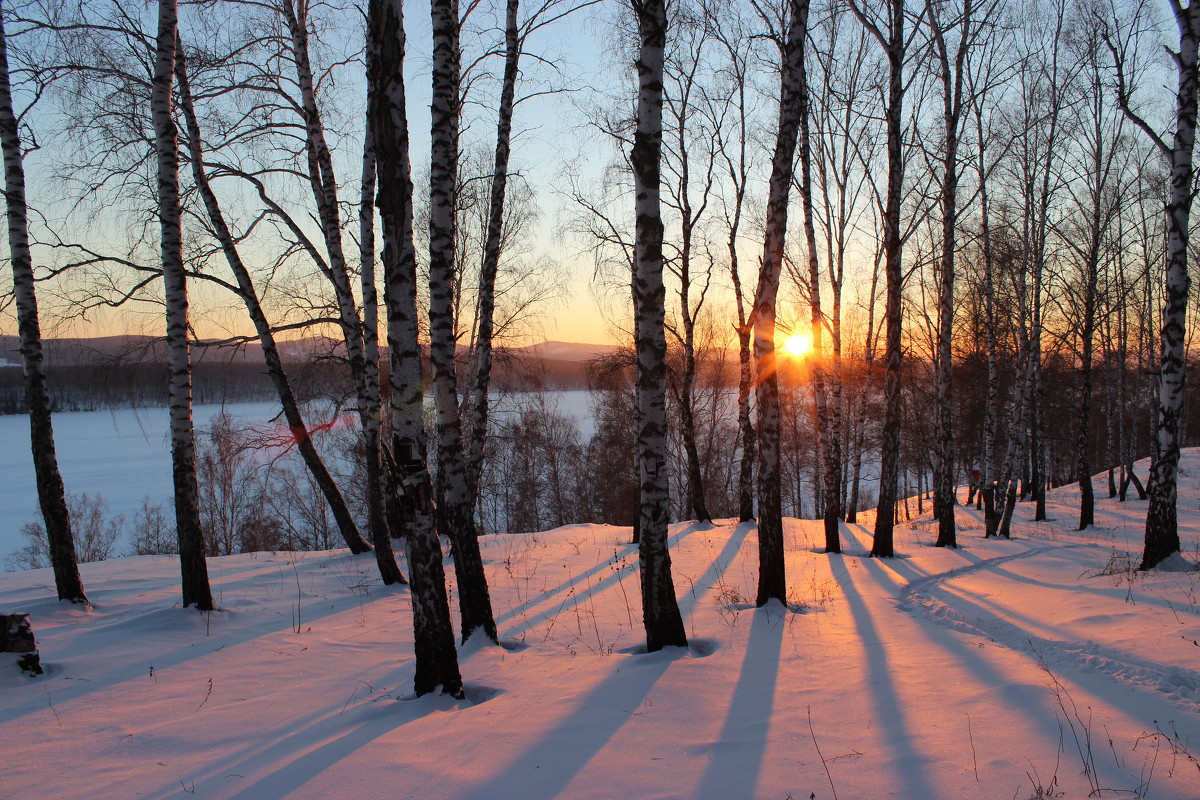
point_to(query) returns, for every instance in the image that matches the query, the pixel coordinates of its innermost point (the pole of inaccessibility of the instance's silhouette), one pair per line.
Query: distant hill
(551, 365)
(119, 371)
(106, 349)
(151, 350)
(567, 351)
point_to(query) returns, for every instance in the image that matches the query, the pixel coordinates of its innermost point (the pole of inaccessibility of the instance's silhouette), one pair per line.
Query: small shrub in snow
(153, 533)
(94, 532)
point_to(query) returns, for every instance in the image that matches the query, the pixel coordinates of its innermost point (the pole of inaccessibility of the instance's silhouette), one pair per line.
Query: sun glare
(798, 344)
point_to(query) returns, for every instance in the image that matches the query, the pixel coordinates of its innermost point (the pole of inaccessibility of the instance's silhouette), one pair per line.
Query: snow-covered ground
(1005, 669)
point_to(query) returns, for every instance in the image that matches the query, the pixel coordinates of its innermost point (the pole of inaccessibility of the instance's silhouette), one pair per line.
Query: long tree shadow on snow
(549, 765)
(540, 773)
(889, 712)
(317, 741)
(627, 553)
(740, 748)
(1033, 701)
(711, 578)
(169, 626)
(1147, 680)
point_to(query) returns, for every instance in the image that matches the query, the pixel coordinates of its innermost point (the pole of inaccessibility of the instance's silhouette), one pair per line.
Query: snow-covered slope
(1025, 668)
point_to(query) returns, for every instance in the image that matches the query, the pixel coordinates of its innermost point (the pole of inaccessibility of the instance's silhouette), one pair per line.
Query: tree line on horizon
(978, 211)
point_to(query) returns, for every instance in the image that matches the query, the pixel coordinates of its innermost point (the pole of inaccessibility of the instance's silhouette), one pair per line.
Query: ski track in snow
(1180, 687)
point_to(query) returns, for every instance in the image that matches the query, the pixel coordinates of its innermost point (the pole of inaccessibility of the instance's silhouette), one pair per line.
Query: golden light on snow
(798, 344)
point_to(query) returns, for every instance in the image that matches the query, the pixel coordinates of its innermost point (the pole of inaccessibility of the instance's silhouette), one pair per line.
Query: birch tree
(828, 437)
(1041, 130)
(689, 160)
(51, 494)
(192, 565)
(660, 609)
(1098, 189)
(492, 245)
(245, 289)
(409, 482)
(323, 185)
(457, 504)
(950, 64)
(845, 121)
(772, 584)
(516, 33)
(1162, 528)
(889, 32)
(732, 141)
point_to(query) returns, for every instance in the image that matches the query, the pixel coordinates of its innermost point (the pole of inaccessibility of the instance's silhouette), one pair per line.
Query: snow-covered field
(1004, 669)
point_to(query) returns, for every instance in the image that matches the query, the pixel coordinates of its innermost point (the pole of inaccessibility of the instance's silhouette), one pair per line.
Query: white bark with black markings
(1162, 525)
(193, 568)
(458, 508)
(492, 249)
(660, 609)
(323, 184)
(895, 49)
(828, 437)
(409, 484)
(262, 327)
(771, 575)
(51, 494)
(950, 67)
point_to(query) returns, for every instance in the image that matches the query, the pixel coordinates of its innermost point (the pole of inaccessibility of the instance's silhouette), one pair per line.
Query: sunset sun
(799, 344)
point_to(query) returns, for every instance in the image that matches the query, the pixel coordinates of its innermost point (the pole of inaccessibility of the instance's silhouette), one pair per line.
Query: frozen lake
(124, 456)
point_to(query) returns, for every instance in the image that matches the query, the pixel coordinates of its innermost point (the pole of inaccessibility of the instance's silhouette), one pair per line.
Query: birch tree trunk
(193, 568)
(378, 483)
(951, 75)
(458, 508)
(1083, 470)
(491, 250)
(1058, 86)
(772, 584)
(1110, 411)
(828, 447)
(51, 494)
(746, 434)
(408, 476)
(894, 46)
(323, 183)
(262, 327)
(1100, 180)
(687, 394)
(660, 609)
(992, 404)
(866, 385)
(889, 464)
(1019, 413)
(991, 407)
(1037, 392)
(682, 72)
(1162, 528)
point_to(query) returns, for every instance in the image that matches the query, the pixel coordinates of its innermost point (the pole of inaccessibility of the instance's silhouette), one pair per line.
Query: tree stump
(16, 636)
